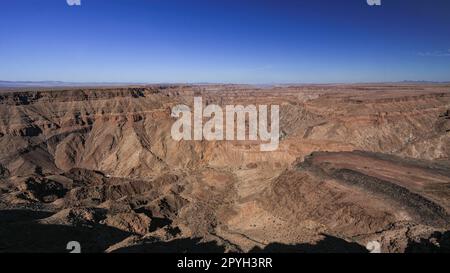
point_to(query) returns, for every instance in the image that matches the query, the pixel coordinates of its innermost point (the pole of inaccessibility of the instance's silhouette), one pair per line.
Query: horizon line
(50, 83)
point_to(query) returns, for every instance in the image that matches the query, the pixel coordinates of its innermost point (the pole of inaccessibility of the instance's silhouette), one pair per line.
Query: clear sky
(240, 41)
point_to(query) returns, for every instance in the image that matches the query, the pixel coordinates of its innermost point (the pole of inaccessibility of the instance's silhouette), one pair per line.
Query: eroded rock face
(45, 190)
(129, 222)
(355, 163)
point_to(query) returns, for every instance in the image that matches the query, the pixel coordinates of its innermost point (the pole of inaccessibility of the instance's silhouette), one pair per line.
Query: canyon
(355, 163)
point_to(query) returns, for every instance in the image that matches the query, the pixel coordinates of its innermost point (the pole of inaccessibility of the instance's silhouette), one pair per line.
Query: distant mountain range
(24, 84)
(16, 84)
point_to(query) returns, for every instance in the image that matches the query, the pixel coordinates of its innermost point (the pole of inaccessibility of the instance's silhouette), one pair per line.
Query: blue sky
(239, 41)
